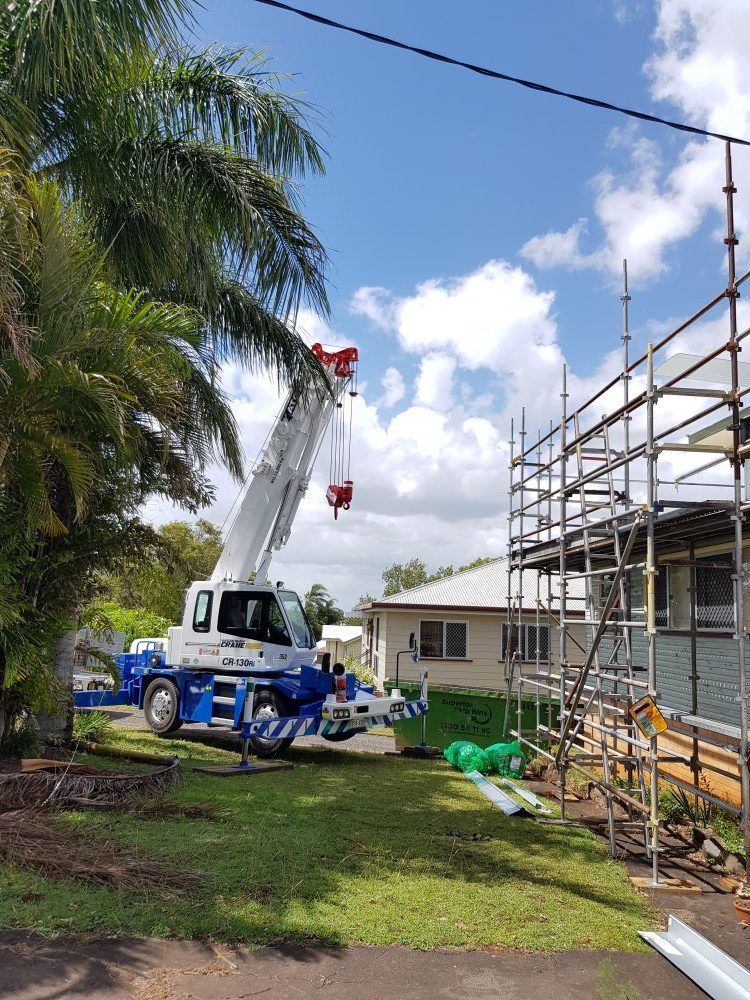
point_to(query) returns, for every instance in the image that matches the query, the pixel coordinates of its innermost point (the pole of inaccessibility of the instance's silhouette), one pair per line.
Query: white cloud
(653, 200)
(558, 249)
(374, 302)
(393, 385)
(434, 385)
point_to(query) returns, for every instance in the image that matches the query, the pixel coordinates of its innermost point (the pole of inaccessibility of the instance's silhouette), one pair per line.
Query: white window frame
(524, 626)
(444, 622)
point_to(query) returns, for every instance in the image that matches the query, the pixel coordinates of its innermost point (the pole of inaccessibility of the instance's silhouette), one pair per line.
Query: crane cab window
(202, 613)
(253, 616)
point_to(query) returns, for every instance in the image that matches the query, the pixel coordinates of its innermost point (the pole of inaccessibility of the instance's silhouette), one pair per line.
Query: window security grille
(714, 596)
(525, 641)
(661, 618)
(439, 639)
(455, 640)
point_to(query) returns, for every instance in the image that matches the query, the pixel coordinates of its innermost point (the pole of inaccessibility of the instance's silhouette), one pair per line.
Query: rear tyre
(161, 706)
(267, 705)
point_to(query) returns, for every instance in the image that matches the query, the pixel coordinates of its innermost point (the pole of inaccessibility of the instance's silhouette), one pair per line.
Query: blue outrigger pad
(493, 793)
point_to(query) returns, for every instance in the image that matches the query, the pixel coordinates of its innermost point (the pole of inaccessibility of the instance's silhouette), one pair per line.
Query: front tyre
(268, 706)
(161, 706)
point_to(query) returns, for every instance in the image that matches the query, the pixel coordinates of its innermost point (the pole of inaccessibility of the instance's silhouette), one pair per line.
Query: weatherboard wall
(482, 668)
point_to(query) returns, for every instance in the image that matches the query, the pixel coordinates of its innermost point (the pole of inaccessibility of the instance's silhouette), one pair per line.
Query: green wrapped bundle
(492, 754)
(507, 759)
(466, 756)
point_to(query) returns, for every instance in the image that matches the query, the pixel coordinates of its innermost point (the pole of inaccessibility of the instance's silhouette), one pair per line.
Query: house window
(527, 641)
(377, 633)
(714, 595)
(440, 640)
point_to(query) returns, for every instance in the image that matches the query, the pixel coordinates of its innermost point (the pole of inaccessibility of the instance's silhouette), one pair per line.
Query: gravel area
(366, 743)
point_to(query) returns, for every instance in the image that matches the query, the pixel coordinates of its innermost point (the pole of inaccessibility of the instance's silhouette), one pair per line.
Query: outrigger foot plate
(234, 770)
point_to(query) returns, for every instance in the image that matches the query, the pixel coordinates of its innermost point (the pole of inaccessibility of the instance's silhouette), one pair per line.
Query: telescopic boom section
(282, 475)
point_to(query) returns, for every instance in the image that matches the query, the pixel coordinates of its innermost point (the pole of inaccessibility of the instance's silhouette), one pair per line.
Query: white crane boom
(281, 477)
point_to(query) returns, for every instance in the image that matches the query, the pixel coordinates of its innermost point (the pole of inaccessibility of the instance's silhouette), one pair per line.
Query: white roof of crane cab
(484, 588)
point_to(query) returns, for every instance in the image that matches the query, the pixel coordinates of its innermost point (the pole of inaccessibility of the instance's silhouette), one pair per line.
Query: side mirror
(412, 641)
(325, 663)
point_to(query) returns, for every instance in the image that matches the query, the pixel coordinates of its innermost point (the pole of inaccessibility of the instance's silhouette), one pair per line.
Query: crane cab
(236, 627)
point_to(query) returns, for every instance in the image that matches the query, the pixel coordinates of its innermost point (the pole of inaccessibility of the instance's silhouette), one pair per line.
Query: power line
(496, 75)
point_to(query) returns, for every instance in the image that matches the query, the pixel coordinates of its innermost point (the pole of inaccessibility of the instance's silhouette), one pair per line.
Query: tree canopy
(403, 576)
(156, 578)
(107, 400)
(321, 609)
(185, 160)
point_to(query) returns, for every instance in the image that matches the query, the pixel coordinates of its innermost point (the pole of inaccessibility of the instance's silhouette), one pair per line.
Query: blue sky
(433, 170)
(433, 174)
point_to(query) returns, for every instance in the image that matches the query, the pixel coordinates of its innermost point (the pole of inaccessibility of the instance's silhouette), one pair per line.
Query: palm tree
(107, 399)
(186, 162)
(321, 608)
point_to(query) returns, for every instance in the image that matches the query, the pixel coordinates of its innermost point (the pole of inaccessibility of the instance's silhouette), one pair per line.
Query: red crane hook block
(340, 496)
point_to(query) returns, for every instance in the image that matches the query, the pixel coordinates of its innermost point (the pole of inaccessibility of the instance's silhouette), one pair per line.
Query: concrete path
(88, 968)
(33, 968)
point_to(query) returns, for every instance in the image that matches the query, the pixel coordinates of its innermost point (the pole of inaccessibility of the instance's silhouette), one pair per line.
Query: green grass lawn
(344, 848)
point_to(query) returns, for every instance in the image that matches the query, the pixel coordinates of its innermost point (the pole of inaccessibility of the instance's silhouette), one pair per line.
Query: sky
(476, 233)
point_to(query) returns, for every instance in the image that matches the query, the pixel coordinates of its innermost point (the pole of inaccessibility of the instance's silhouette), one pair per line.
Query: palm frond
(224, 97)
(202, 192)
(240, 327)
(60, 45)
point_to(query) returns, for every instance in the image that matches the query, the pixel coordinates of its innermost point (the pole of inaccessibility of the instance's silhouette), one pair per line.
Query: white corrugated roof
(342, 633)
(485, 586)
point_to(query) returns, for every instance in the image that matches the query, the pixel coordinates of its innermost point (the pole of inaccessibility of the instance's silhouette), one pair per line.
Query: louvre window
(443, 640)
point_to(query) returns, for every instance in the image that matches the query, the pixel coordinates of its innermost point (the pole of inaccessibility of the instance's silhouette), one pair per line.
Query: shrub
(96, 727)
(134, 622)
(360, 671)
(24, 741)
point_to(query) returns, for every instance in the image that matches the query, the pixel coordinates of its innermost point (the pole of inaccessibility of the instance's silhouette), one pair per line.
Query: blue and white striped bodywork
(291, 728)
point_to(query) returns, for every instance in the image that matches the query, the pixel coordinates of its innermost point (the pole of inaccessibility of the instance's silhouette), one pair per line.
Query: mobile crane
(244, 655)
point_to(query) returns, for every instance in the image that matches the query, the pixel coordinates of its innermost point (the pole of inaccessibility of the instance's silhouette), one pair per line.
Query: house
(460, 626)
(342, 641)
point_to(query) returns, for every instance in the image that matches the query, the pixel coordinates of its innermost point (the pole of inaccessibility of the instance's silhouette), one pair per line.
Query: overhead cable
(497, 75)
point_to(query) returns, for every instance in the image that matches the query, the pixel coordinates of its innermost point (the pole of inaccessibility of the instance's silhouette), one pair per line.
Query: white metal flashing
(709, 967)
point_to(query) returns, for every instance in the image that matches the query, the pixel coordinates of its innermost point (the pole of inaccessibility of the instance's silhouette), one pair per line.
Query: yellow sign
(646, 715)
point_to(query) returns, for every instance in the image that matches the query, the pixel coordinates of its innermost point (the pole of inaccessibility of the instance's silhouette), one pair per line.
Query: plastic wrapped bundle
(507, 759)
(492, 753)
(467, 756)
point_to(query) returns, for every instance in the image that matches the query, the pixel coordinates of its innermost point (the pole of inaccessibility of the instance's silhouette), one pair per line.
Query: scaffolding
(604, 534)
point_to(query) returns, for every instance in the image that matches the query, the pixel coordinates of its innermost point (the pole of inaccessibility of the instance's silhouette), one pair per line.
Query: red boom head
(341, 362)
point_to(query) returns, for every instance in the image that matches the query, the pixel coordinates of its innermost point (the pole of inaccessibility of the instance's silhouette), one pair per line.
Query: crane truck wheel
(161, 706)
(267, 705)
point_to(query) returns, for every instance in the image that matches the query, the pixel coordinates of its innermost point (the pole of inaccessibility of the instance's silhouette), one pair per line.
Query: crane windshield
(303, 634)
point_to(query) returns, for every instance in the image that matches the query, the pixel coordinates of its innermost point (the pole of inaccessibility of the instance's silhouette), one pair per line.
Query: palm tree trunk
(58, 728)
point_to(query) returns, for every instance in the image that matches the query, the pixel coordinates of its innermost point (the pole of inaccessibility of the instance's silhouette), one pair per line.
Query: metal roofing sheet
(485, 586)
